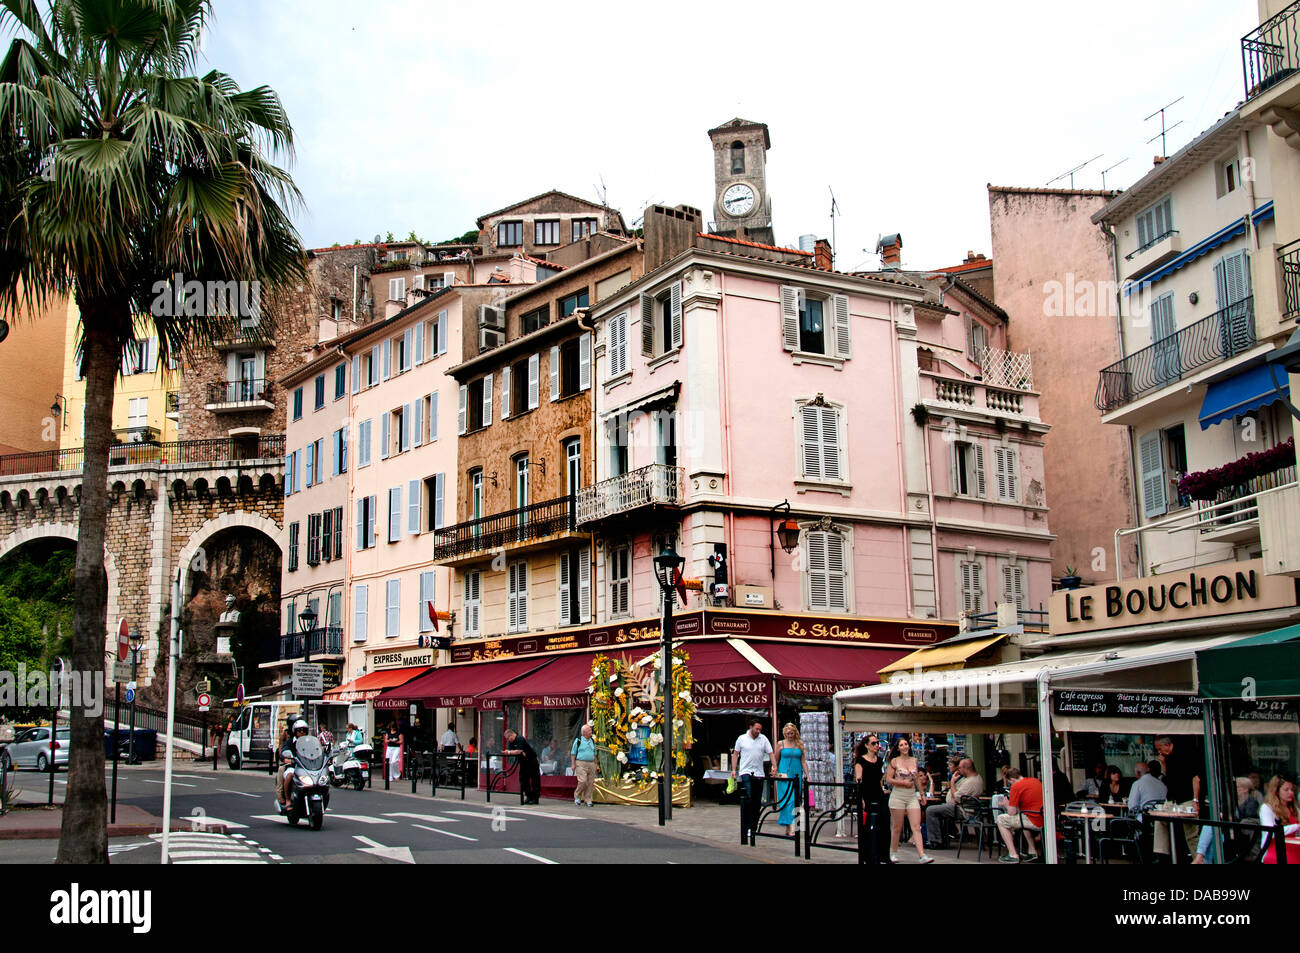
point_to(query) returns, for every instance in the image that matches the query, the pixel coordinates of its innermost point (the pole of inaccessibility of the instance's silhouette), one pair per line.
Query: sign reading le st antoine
(1205, 592)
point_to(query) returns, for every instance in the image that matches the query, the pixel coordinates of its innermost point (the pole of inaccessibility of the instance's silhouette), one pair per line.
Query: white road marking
(524, 853)
(203, 820)
(431, 818)
(359, 818)
(402, 854)
(448, 833)
(488, 817)
(240, 793)
(174, 783)
(204, 847)
(558, 817)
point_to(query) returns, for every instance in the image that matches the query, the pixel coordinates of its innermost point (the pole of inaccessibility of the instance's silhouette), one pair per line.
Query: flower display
(1205, 484)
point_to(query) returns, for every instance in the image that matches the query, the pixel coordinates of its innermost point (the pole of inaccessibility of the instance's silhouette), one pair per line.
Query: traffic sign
(130, 695)
(121, 671)
(203, 708)
(123, 641)
(239, 694)
(308, 680)
(204, 701)
(204, 686)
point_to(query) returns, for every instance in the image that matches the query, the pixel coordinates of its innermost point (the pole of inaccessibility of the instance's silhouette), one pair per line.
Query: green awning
(1260, 666)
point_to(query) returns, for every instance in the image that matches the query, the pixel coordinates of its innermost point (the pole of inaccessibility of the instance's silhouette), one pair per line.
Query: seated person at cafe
(1024, 812)
(1116, 788)
(1246, 809)
(1147, 788)
(1096, 781)
(966, 782)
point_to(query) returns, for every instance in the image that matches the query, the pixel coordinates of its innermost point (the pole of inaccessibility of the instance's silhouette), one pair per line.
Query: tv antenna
(1071, 172)
(1104, 171)
(602, 192)
(835, 210)
(1163, 129)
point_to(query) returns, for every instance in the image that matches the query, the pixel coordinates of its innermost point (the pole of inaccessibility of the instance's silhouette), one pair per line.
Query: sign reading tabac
(1200, 593)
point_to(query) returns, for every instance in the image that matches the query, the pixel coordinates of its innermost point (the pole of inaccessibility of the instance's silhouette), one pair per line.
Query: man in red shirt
(1024, 812)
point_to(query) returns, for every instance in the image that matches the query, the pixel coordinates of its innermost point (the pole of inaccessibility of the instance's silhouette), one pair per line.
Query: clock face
(738, 200)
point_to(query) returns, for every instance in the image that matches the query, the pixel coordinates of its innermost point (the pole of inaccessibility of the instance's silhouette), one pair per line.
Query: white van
(256, 729)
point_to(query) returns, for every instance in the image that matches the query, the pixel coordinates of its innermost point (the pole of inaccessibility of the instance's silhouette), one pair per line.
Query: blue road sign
(130, 695)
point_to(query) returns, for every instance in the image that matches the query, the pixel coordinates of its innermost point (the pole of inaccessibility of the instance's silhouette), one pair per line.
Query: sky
(425, 115)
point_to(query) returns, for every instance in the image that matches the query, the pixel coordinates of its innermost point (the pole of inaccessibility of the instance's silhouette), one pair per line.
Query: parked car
(31, 749)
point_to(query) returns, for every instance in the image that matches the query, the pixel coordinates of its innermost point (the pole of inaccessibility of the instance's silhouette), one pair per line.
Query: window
(473, 603)
(618, 445)
(140, 357)
(293, 547)
(338, 532)
(533, 320)
(336, 309)
(571, 303)
(291, 618)
(360, 612)
(666, 437)
(413, 488)
(967, 467)
(475, 405)
(581, 228)
(510, 234)
(813, 323)
(313, 539)
(436, 335)
(617, 344)
(737, 158)
(363, 443)
(1013, 583)
(1227, 176)
(431, 415)
(661, 321)
(575, 586)
(138, 412)
(297, 403)
(399, 429)
(320, 391)
(571, 367)
(620, 581)
(828, 577)
(395, 514)
(340, 381)
(521, 481)
(339, 463)
(334, 610)
(1166, 361)
(546, 232)
(1155, 222)
(1176, 454)
(366, 522)
(426, 597)
(372, 367)
(311, 464)
(327, 535)
(517, 596)
(514, 389)
(434, 488)
(1006, 461)
(403, 351)
(397, 289)
(572, 465)
(392, 608)
(977, 340)
(1151, 457)
(476, 494)
(821, 446)
(970, 583)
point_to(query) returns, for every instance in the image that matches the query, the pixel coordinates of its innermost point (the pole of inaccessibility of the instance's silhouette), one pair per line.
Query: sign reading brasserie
(766, 625)
(1126, 704)
(1191, 594)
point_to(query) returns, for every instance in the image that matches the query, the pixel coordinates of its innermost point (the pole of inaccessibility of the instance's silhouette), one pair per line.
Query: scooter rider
(300, 730)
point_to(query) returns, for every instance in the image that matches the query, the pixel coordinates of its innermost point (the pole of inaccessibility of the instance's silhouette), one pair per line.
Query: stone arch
(68, 531)
(213, 526)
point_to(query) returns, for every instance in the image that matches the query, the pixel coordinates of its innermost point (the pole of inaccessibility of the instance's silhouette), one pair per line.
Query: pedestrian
(530, 774)
(394, 739)
(472, 747)
(1279, 807)
(873, 821)
(1184, 783)
(747, 757)
(791, 765)
(326, 738)
(356, 737)
(903, 776)
(583, 758)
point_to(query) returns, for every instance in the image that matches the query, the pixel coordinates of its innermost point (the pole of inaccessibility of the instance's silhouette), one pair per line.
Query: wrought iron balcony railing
(1210, 340)
(239, 392)
(218, 450)
(326, 641)
(1271, 52)
(535, 521)
(656, 484)
(1288, 261)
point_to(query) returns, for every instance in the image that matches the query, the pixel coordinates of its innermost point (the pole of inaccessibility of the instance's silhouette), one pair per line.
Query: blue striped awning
(1263, 213)
(1247, 391)
(1203, 247)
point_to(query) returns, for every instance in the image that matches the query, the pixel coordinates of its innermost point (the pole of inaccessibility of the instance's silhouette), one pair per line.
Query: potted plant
(920, 413)
(1071, 579)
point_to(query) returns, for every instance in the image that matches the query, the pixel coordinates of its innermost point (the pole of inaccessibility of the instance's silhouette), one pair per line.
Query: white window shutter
(830, 444)
(981, 484)
(388, 358)
(361, 524)
(487, 400)
(356, 373)
(153, 355)
(433, 416)
(417, 422)
(843, 338)
(438, 486)
(789, 318)
(460, 417)
(818, 588)
(442, 332)
(675, 307)
(647, 325)
(565, 589)
(1000, 465)
(506, 374)
(618, 344)
(584, 361)
(405, 436)
(371, 511)
(584, 585)
(374, 366)
(555, 373)
(406, 350)
(1013, 477)
(836, 576)
(448, 279)
(954, 466)
(810, 421)
(1153, 474)
(383, 436)
(419, 343)
(394, 514)
(413, 507)
(534, 380)
(417, 283)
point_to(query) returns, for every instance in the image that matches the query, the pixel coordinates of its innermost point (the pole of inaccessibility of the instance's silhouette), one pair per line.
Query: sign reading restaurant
(1191, 594)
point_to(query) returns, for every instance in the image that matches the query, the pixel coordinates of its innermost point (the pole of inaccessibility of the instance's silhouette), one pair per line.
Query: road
(368, 827)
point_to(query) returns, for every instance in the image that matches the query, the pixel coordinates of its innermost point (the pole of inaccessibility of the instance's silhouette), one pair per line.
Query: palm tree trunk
(84, 835)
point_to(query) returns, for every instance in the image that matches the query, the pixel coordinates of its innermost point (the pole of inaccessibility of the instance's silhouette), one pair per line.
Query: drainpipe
(1250, 186)
(1135, 480)
(896, 373)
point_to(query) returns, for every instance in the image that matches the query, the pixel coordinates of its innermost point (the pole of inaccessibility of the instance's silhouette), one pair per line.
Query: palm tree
(118, 169)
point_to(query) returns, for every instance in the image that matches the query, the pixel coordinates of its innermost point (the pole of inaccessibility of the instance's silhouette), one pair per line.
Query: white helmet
(300, 724)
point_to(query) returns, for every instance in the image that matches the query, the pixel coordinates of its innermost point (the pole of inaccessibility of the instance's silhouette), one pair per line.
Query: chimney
(972, 256)
(890, 249)
(1157, 160)
(822, 255)
(669, 232)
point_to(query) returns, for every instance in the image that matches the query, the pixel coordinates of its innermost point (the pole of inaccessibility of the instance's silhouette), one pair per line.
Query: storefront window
(1264, 739)
(492, 725)
(552, 732)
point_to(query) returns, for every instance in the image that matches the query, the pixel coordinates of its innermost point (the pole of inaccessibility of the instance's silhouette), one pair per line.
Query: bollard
(661, 800)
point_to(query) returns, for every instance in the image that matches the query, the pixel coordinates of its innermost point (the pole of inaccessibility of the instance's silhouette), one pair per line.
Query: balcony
(978, 397)
(1155, 252)
(140, 434)
(1222, 335)
(323, 642)
(219, 450)
(513, 529)
(1271, 52)
(228, 396)
(1007, 369)
(653, 485)
(1288, 264)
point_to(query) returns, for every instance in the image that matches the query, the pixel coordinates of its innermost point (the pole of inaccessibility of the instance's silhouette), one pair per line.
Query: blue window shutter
(288, 474)
(388, 358)
(419, 343)
(417, 424)
(406, 427)
(356, 373)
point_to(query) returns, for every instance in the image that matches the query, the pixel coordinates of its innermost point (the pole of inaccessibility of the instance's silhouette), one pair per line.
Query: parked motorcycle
(350, 766)
(309, 795)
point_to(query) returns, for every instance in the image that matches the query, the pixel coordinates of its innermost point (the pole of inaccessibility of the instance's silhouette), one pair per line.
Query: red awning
(369, 686)
(561, 684)
(824, 669)
(723, 678)
(455, 686)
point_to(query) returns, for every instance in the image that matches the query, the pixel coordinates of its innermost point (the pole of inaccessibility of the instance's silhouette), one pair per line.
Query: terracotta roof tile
(741, 241)
(967, 266)
(543, 262)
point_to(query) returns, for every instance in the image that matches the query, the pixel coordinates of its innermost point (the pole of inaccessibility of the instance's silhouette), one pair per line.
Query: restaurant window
(620, 580)
(514, 712)
(552, 733)
(575, 586)
(510, 234)
(573, 302)
(546, 232)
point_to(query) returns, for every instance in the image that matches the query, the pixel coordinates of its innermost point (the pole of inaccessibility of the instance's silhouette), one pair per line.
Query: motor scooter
(350, 766)
(309, 794)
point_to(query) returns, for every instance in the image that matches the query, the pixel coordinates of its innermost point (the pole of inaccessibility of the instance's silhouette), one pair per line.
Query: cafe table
(1175, 818)
(1088, 816)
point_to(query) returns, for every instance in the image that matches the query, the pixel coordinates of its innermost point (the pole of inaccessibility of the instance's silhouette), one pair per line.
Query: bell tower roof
(743, 125)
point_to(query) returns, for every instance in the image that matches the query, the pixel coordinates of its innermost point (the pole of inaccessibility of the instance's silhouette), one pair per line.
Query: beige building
(32, 364)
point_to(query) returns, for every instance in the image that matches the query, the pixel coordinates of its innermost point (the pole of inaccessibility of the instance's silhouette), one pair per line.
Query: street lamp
(306, 622)
(787, 533)
(667, 566)
(137, 641)
(1281, 362)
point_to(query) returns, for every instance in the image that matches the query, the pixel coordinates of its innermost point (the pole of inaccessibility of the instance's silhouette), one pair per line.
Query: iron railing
(141, 434)
(1210, 340)
(1216, 517)
(1271, 52)
(657, 483)
(326, 641)
(215, 450)
(239, 392)
(1151, 243)
(535, 521)
(1288, 261)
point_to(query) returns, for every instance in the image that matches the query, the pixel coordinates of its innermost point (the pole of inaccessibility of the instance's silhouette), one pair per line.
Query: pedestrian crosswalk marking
(206, 847)
(524, 853)
(447, 833)
(431, 818)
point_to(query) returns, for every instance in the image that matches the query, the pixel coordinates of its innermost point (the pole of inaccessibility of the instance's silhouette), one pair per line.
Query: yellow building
(31, 375)
(144, 400)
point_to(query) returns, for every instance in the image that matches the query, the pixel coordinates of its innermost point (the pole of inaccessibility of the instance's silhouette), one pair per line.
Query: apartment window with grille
(970, 583)
(533, 320)
(967, 469)
(821, 442)
(828, 573)
(581, 228)
(1155, 222)
(293, 547)
(620, 581)
(546, 232)
(393, 608)
(517, 596)
(473, 603)
(313, 539)
(510, 234)
(1013, 583)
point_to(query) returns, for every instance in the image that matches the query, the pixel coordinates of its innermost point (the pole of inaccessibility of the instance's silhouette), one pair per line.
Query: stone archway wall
(185, 559)
(68, 531)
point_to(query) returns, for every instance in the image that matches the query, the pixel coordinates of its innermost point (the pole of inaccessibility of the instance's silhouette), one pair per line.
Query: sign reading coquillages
(1192, 594)
(723, 624)
(732, 693)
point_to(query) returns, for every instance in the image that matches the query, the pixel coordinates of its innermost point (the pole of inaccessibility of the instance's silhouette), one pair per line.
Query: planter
(640, 793)
(1071, 582)
(921, 414)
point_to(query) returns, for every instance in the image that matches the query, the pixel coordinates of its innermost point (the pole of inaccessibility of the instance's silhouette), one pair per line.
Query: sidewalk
(34, 823)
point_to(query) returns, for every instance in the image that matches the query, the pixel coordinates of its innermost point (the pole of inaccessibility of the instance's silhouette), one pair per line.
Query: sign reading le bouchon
(1205, 592)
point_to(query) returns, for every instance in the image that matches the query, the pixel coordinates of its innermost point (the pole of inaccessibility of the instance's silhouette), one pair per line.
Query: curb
(114, 830)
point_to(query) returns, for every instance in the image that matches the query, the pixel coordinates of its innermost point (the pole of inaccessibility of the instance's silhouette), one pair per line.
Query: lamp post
(137, 640)
(1281, 362)
(57, 411)
(667, 565)
(306, 622)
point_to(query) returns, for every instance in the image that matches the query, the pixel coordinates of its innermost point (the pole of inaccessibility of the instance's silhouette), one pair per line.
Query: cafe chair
(1126, 834)
(976, 816)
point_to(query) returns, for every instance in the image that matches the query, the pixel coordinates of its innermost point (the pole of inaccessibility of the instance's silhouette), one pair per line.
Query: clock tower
(741, 205)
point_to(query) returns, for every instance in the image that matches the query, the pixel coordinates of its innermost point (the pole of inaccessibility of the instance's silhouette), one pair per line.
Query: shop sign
(736, 693)
(556, 701)
(390, 704)
(1192, 594)
(408, 658)
(805, 686)
(332, 673)
(1127, 705)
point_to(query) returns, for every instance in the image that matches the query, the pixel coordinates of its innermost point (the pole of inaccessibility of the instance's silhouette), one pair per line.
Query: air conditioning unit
(490, 317)
(489, 338)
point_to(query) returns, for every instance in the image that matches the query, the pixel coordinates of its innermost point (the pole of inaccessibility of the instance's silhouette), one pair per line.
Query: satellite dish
(378, 239)
(4, 329)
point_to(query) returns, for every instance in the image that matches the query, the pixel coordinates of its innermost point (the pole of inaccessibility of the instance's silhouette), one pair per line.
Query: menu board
(1126, 705)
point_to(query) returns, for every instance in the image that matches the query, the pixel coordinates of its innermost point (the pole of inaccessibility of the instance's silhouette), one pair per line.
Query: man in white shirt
(1147, 788)
(751, 750)
(449, 741)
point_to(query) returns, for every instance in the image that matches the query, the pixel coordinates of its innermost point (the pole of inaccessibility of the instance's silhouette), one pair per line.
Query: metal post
(203, 736)
(117, 747)
(54, 728)
(667, 669)
(173, 655)
(135, 659)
